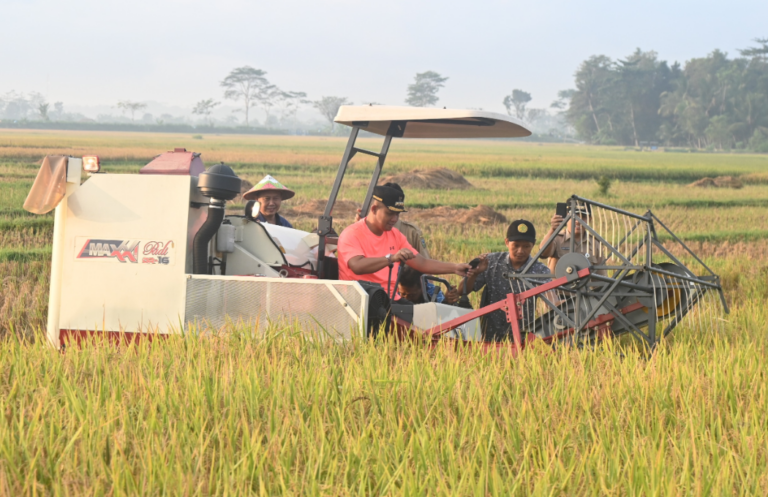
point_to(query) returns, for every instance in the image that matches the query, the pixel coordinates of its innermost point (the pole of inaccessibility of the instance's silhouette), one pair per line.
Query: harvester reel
(639, 287)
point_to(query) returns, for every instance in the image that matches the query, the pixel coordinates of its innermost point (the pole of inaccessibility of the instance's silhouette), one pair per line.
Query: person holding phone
(584, 244)
(489, 277)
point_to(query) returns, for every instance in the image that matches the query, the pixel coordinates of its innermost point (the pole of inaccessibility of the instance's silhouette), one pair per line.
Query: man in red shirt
(368, 248)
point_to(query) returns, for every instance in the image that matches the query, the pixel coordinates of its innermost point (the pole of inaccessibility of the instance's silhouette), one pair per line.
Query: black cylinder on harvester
(219, 183)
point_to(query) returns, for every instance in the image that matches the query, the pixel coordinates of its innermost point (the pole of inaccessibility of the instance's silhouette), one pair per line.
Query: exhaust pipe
(204, 235)
(219, 183)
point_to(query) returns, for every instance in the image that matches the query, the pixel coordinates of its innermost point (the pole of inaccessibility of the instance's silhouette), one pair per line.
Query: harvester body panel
(126, 244)
(126, 247)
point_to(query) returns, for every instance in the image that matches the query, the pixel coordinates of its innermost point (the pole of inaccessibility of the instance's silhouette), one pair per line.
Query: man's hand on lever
(482, 265)
(452, 295)
(402, 255)
(471, 276)
(368, 265)
(464, 270)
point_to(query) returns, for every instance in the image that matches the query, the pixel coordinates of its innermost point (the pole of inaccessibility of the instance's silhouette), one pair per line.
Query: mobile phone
(474, 263)
(562, 209)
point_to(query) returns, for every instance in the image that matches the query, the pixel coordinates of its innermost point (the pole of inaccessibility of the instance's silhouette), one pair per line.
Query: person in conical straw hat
(269, 193)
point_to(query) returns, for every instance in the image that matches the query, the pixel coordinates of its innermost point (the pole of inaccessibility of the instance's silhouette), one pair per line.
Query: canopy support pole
(325, 222)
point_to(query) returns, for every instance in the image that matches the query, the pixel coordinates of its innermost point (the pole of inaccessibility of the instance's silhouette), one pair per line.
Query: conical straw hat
(266, 185)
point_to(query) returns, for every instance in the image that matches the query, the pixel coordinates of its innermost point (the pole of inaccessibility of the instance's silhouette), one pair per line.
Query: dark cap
(521, 230)
(395, 186)
(394, 199)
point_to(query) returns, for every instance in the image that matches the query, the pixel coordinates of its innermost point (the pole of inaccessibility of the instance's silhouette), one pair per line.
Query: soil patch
(245, 185)
(430, 179)
(719, 182)
(482, 214)
(342, 209)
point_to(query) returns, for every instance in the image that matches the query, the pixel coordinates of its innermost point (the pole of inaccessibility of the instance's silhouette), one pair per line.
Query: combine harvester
(154, 253)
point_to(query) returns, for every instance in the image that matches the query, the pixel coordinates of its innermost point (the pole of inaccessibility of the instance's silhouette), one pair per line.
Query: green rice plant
(274, 413)
(24, 294)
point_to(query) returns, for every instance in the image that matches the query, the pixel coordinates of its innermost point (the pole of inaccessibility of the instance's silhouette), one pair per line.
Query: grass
(236, 413)
(279, 414)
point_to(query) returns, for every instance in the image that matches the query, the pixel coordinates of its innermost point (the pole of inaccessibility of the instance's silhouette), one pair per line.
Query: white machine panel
(425, 316)
(335, 309)
(126, 244)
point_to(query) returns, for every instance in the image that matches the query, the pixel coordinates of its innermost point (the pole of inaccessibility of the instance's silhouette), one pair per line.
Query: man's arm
(431, 266)
(472, 278)
(554, 224)
(367, 265)
(552, 264)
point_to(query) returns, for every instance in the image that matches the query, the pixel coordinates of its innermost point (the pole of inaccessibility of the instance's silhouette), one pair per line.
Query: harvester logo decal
(157, 252)
(154, 252)
(122, 250)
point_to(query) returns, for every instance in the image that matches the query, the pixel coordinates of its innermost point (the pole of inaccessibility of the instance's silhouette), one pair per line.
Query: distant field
(286, 416)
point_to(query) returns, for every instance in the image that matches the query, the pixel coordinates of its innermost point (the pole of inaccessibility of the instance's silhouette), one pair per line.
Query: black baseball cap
(393, 198)
(395, 186)
(521, 231)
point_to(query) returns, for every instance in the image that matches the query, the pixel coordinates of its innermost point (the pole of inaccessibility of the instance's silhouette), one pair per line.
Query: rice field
(231, 414)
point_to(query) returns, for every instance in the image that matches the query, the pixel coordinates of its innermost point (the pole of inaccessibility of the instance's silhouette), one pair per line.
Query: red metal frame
(511, 306)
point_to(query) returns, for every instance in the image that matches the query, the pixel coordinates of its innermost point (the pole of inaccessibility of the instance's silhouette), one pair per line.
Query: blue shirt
(281, 221)
(431, 291)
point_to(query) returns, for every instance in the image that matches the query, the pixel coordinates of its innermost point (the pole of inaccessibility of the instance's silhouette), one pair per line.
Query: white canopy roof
(421, 122)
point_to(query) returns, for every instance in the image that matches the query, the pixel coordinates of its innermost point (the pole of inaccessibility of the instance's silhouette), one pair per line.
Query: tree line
(713, 102)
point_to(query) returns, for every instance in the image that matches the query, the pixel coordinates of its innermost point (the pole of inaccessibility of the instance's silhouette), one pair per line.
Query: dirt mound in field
(719, 182)
(704, 183)
(430, 179)
(314, 208)
(728, 182)
(245, 185)
(482, 214)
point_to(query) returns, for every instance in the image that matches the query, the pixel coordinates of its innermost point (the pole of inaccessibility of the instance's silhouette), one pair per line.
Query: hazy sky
(96, 52)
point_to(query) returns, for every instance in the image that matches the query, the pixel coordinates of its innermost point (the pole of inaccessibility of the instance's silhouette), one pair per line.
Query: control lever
(424, 279)
(464, 299)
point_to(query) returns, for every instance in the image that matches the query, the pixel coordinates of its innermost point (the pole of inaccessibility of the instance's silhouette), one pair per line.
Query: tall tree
(535, 114)
(591, 98)
(204, 108)
(712, 102)
(761, 51)
(619, 101)
(268, 97)
(423, 91)
(42, 109)
(329, 107)
(246, 85)
(518, 100)
(642, 78)
(563, 100)
(132, 107)
(289, 103)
